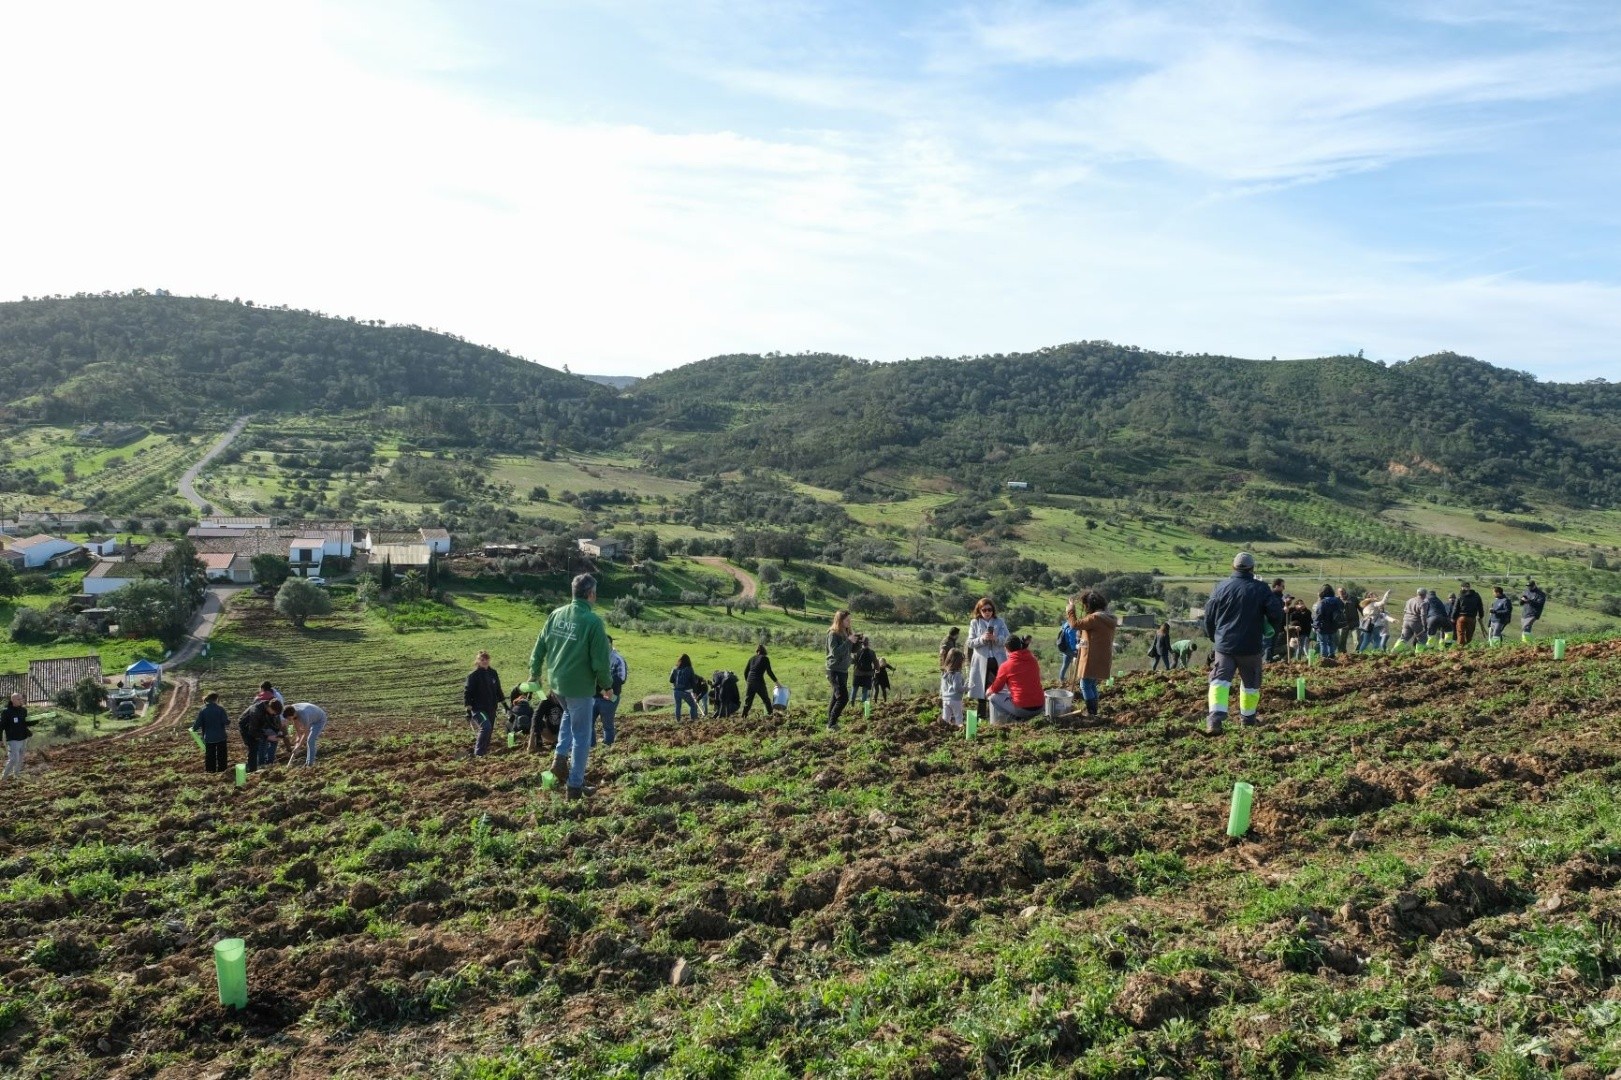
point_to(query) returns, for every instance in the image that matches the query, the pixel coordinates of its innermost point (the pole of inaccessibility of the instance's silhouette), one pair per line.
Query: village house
(228, 568)
(402, 557)
(43, 551)
(107, 576)
(304, 556)
(599, 549)
(102, 546)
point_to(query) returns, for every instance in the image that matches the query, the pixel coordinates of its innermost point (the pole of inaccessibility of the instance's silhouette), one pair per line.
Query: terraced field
(1429, 888)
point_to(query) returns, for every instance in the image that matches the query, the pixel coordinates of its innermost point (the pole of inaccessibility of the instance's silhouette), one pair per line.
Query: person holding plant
(987, 638)
(14, 728)
(213, 725)
(839, 646)
(482, 696)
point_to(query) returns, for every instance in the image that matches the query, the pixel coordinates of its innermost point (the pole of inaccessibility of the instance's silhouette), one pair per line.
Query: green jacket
(573, 652)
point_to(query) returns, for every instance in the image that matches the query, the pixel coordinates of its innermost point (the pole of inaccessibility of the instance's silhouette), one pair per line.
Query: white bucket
(1060, 703)
(779, 697)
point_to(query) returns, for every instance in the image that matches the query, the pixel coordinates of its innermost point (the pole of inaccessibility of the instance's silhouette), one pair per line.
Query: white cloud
(261, 152)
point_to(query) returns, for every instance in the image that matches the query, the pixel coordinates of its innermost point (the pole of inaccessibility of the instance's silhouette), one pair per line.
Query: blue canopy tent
(142, 669)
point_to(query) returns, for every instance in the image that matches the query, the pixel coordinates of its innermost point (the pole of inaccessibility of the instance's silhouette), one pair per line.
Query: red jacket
(1022, 674)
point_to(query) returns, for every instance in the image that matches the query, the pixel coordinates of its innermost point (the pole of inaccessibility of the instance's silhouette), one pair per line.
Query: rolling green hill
(143, 357)
(1101, 419)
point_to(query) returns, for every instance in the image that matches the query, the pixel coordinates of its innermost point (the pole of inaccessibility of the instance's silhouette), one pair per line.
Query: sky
(624, 186)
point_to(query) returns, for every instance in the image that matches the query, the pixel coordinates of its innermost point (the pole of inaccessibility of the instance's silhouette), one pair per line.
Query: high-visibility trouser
(1248, 670)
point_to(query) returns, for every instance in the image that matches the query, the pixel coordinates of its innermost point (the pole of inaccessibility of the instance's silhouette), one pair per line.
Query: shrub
(30, 625)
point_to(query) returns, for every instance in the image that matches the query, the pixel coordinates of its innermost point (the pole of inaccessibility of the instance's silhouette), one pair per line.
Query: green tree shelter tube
(512, 740)
(231, 966)
(241, 774)
(1300, 688)
(970, 723)
(1238, 817)
(1558, 648)
(197, 738)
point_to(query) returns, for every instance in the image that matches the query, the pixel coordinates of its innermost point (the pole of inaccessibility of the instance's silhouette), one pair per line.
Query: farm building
(438, 540)
(600, 549)
(16, 558)
(401, 556)
(46, 677)
(218, 522)
(102, 546)
(43, 550)
(108, 576)
(1018, 485)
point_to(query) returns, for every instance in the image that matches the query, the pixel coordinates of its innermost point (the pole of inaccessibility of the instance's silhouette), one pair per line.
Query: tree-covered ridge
(1097, 418)
(142, 356)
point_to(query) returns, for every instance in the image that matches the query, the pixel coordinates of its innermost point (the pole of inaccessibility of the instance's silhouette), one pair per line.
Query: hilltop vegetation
(1098, 419)
(181, 359)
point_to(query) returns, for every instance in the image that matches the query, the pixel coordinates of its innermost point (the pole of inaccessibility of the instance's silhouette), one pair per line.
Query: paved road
(189, 477)
(208, 617)
(750, 586)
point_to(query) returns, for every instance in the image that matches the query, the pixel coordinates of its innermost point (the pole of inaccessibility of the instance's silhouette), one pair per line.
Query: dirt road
(751, 587)
(189, 477)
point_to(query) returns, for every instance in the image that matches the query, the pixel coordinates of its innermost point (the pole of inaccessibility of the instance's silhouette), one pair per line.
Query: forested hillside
(141, 356)
(1096, 418)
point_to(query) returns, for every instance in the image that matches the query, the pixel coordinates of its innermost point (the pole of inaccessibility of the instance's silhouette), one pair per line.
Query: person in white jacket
(987, 638)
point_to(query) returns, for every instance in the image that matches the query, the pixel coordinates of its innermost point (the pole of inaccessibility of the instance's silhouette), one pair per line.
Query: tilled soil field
(1429, 889)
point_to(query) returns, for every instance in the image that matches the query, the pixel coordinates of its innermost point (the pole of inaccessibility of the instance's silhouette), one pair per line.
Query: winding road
(189, 477)
(750, 586)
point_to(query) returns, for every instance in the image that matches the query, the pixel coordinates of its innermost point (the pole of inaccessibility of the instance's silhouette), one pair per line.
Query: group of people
(718, 695)
(1326, 626)
(263, 726)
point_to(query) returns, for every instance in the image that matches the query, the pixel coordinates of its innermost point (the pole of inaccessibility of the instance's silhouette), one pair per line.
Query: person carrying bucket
(1096, 627)
(213, 724)
(573, 654)
(482, 696)
(1233, 617)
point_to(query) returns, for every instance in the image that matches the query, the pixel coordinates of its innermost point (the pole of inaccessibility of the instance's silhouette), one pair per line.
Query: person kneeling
(1017, 693)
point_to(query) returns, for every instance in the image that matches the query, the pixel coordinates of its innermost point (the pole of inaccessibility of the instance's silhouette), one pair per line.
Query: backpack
(1066, 640)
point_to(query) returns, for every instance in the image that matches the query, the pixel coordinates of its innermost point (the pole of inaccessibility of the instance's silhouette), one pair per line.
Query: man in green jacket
(571, 655)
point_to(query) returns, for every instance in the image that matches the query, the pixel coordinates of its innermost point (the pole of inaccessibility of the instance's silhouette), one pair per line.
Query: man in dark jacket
(1436, 623)
(1532, 602)
(481, 693)
(1326, 619)
(1237, 610)
(1467, 614)
(755, 673)
(214, 724)
(1502, 610)
(251, 726)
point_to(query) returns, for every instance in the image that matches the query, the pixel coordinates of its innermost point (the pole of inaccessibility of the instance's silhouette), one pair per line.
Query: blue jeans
(1325, 643)
(574, 736)
(314, 732)
(486, 725)
(268, 750)
(606, 709)
(1063, 670)
(692, 703)
(1089, 691)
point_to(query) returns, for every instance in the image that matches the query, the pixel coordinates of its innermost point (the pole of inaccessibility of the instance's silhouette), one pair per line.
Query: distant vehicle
(321, 581)
(263, 589)
(124, 710)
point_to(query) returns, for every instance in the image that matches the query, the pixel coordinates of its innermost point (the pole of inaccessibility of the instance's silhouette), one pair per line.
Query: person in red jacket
(1017, 693)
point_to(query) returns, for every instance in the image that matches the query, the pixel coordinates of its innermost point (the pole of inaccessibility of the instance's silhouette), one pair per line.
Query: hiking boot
(1250, 721)
(1212, 726)
(574, 793)
(560, 768)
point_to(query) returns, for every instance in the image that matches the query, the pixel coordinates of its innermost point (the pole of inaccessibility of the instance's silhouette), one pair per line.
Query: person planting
(1017, 693)
(309, 721)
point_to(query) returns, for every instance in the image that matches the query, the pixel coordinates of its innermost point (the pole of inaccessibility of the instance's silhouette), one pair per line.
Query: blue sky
(626, 185)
